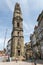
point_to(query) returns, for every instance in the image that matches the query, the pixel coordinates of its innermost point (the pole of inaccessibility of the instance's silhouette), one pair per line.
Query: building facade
(40, 32)
(28, 51)
(36, 32)
(33, 44)
(17, 42)
(37, 38)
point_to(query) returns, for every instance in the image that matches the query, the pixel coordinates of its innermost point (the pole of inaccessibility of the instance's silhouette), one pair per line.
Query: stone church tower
(17, 42)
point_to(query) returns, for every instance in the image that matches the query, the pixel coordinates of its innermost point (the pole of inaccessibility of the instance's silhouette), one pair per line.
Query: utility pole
(5, 39)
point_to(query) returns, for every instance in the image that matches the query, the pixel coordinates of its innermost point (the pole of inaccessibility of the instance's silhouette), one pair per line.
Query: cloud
(30, 9)
(23, 3)
(36, 4)
(9, 4)
(2, 46)
(25, 25)
(28, 28)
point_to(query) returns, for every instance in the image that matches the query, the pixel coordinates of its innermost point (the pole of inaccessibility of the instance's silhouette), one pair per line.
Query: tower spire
(17, 44)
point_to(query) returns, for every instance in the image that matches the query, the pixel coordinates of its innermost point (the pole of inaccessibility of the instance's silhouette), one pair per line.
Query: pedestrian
(16, 60)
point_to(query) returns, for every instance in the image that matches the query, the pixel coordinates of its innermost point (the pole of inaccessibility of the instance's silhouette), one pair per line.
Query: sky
(30, 12)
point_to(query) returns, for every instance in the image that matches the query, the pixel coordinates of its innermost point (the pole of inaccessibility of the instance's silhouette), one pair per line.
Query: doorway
(18, 52)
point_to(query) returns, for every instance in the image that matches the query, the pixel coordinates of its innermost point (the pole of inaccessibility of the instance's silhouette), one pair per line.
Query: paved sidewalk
(18, 63)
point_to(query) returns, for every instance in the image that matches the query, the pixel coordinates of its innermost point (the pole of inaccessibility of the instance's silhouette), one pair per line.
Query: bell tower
(17, 42)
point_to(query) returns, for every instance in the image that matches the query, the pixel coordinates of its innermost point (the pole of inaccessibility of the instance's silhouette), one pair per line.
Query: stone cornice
(17, 36)
(40, 17)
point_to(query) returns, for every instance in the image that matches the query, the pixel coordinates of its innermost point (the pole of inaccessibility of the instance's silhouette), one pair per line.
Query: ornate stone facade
(17, 43)
(28, 52)
(40, 33)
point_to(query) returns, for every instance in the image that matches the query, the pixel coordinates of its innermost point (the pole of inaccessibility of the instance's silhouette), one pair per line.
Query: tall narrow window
(18, 33)
(17, 24)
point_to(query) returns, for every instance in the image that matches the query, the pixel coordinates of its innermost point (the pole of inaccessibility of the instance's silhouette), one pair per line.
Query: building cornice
(40, 17)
